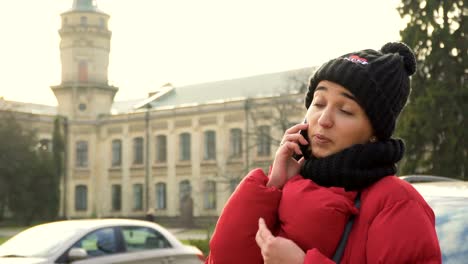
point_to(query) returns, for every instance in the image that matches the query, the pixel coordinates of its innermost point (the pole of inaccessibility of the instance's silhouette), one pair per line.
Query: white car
(449, 200)
(98, 241)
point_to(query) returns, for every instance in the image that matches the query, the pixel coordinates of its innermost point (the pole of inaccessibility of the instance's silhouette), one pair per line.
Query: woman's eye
(318, 104)
(346, 112)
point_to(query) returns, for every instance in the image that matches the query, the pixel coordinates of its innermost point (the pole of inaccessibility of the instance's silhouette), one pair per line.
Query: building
(180, 151)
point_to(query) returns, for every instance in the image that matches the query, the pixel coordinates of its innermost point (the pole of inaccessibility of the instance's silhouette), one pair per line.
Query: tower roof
(84, 5)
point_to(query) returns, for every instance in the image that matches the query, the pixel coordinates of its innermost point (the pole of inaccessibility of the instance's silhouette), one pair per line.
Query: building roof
(241, 88)
(204, 93)
(27, 107)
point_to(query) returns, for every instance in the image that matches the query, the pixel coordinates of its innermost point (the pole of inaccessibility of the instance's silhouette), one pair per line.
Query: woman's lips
(320, 139)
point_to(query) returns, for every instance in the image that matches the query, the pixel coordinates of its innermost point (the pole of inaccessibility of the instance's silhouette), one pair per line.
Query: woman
(298, 213)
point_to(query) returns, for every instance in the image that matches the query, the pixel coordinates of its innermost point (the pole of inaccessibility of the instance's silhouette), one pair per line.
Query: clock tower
(84, 93)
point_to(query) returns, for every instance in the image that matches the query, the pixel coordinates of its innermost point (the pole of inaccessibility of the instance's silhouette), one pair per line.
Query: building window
(184, 146)
(160, 195)
(81, 198)
(83, 71)
(210, 145)
(45, 144)
(236, 143)
(209, 201)
(116, 197)
(161, 148)
(185, 190)
(138, 150)
(82, 154)
(102, 23)
(116, 152)
(137, 197)
(233, 184)
(84, 21)
(82, 107)
(263, 141)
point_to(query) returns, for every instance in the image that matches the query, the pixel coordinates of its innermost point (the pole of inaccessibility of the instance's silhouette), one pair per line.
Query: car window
(452, 228)
(143, 238)
(98, 243)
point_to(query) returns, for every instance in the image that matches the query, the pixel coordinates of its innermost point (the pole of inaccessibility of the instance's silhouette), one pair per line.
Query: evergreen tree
(58, 152)
(434, 123)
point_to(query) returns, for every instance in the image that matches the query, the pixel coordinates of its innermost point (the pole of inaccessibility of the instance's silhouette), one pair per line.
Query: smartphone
(305, 149)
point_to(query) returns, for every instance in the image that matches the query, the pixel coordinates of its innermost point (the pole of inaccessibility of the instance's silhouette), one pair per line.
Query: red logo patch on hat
(357, 59)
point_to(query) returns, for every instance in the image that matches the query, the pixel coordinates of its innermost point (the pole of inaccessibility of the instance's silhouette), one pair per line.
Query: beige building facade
(181, 151)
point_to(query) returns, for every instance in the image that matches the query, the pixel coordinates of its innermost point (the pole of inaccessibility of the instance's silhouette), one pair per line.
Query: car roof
(96, 223)
(425, 178)
(86, 225)
(443, 189)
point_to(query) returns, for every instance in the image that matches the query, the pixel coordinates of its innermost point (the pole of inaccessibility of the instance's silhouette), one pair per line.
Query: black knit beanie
(378, 79)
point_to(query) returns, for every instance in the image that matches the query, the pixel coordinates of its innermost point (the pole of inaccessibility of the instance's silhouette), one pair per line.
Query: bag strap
(341, 246)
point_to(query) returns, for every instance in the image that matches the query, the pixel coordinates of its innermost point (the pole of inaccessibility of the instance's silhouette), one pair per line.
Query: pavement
(9, 232)
(185, 234)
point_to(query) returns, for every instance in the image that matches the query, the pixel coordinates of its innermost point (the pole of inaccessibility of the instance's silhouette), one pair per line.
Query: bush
(202, 244)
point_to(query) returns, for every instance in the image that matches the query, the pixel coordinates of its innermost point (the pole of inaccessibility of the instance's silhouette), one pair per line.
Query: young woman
(298, 213)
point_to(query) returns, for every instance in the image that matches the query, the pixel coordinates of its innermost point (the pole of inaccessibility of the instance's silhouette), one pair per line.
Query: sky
(183, 42)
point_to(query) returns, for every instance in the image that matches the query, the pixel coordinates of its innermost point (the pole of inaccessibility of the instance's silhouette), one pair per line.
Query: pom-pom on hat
(378, 79)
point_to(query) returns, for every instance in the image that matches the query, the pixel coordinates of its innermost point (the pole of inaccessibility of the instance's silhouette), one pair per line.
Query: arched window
(209, 195)
(235, 143)
(184, 146)
(161, 148)
(210, 145)
(102, 23)
(84, 21)
(160, 195)
(116, 152)
(116, 197)
(138, 150)
(185, 190)
(81, 198)
(83, 71)
(45, 144)
(137, 197)
(82, 154)
(263, 141)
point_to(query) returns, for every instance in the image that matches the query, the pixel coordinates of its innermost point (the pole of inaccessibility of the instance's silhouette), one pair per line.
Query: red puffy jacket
(393, 225)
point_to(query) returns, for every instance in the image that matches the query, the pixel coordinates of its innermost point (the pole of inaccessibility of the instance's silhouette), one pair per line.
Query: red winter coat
(393, 225)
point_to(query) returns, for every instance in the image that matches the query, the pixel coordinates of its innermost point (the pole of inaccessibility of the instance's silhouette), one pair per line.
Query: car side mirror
(77, 254)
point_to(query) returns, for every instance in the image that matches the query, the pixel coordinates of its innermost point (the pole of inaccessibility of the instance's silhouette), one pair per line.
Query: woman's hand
(277, 250)
(284, 165)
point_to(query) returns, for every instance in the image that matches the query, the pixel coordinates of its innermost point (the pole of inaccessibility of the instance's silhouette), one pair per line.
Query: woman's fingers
(292, 147)
(296, 128)
(263, 234)
(297, 137)
(277, 250)
(293, 134)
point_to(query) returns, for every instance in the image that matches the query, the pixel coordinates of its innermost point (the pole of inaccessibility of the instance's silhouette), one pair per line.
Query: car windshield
(451, 225)
(38, 241)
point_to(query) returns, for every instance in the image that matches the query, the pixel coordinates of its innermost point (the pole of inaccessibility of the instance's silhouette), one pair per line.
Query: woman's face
(336, 120)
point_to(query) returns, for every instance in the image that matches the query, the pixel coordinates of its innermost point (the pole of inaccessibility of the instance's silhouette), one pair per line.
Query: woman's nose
(326, 118)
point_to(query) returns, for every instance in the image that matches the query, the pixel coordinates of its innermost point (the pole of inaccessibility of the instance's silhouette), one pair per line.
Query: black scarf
(356, 167)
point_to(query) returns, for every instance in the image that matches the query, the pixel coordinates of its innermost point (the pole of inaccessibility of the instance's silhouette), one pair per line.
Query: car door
(101, 245)
(145, 245)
